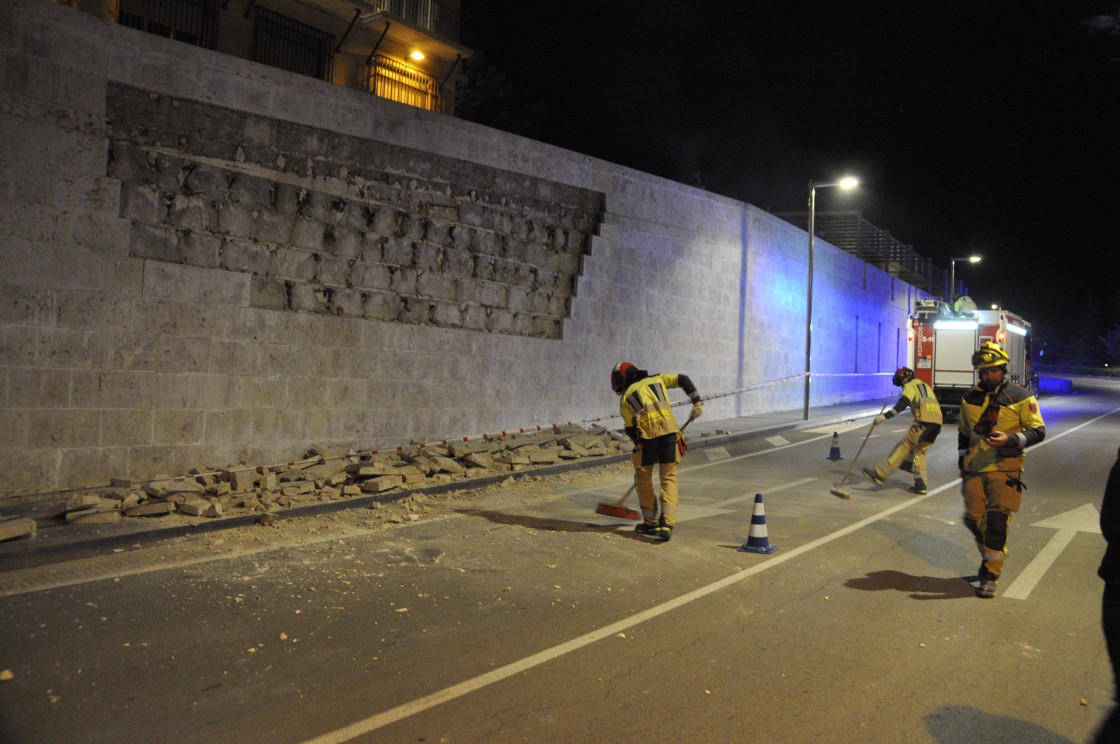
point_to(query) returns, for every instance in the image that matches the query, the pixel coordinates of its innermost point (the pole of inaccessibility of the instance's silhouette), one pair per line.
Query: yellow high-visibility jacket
(919, 398)
(645, 407)
(1010, 408)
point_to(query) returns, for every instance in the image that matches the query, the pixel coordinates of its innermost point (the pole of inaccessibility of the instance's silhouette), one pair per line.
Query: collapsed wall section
(323, 222)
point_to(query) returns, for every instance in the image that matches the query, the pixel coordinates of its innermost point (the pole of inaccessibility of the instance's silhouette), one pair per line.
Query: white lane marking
(380, 720)
(1085, 518)
(750, 495)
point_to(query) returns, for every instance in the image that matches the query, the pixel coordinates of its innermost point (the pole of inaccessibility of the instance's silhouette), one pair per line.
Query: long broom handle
(860, 450)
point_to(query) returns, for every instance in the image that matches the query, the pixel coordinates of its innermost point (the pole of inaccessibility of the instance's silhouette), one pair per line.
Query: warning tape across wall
(503, 434)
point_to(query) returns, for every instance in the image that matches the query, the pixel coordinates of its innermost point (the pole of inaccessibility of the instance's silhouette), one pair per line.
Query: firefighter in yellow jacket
(999, 420)
(919, 398)
(649, 421)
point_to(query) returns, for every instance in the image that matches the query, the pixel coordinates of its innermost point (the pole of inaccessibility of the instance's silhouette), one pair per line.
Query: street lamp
(845, 184)
(953, 272)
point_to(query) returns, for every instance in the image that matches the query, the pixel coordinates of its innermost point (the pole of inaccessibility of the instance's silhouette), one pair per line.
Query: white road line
(380, 720)
(750, 495)
(1036, 569)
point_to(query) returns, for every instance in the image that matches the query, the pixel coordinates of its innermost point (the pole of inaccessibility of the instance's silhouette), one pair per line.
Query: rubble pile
(322, 476)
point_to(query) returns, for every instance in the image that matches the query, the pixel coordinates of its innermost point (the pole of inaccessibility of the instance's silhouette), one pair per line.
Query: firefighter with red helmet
(649, 422)
(919, 398)
(999, 420)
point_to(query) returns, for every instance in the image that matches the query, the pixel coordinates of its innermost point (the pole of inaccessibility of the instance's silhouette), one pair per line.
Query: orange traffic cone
(834, 453)
(757, 540)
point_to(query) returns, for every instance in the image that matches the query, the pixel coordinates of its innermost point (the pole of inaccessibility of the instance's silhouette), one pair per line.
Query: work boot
(986, 589)
(664, 532)
(919, 486)
(873, 474)
(647, 529)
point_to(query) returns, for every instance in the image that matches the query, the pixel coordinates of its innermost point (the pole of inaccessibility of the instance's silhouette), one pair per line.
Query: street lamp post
(846, 184)
(953, 273)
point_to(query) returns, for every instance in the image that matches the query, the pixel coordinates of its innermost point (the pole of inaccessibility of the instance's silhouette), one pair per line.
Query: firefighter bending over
(999, 420)
(649, 421)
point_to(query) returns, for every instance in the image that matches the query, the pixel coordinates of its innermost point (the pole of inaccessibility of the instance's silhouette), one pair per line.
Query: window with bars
(189, 21)
(282, 42)
(398, 82)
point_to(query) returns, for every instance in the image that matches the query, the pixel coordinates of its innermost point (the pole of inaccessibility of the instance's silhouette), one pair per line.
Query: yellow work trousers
(990, 498)
(912, 447)
(660, 453)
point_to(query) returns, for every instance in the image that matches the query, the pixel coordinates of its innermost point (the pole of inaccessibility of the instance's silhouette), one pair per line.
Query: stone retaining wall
(208, 262)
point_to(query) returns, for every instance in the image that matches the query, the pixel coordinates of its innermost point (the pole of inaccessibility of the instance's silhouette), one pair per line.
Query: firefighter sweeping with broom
(648, 420)
(919, 398)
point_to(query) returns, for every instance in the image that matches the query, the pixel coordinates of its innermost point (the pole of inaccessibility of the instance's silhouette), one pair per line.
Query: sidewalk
(57, 541)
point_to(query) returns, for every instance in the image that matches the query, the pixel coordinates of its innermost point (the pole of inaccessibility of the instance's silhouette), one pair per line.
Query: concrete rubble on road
(322, 476)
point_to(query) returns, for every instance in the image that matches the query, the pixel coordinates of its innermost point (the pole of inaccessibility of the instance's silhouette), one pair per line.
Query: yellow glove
(697, 409)
(880, 419)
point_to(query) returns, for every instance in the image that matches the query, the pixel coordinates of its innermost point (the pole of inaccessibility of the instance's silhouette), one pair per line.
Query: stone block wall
(307, 220)
(207, 262)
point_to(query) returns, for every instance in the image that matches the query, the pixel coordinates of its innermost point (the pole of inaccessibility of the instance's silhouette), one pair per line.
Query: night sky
(975, 127)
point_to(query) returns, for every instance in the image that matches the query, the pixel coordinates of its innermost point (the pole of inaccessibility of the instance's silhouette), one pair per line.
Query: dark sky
(975, 127)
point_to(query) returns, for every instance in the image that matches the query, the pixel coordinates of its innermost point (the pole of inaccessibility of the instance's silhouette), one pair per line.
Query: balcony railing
(398, 82)
(428, 14)
(874, 245)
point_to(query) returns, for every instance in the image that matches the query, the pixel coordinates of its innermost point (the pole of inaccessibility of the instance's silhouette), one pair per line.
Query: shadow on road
(555, 525)
(957, 723)
(920, 587)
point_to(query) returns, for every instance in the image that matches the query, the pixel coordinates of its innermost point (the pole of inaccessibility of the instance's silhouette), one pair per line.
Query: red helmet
(618, 376)
(902, 375)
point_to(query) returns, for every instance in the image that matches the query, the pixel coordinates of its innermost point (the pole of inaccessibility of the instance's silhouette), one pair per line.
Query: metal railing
(189, 21)
(398, 82)
(282, 42)
(873, 245)
(428, 14)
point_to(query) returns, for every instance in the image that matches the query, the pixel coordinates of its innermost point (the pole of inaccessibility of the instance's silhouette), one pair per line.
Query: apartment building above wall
(403, 50)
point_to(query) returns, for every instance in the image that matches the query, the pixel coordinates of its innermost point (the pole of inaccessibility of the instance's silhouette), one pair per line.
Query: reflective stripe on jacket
(923, 402)
(1014, 410)
(645, 406)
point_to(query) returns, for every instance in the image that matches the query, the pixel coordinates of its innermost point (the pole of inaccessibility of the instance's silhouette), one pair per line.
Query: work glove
(880, 419)
(697, 409)
(960, 462)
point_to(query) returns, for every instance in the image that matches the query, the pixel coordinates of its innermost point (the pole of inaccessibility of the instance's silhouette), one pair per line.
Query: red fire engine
(942, 338)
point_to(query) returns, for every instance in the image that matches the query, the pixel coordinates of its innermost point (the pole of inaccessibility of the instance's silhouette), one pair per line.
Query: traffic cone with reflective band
(757, 540)
(834, 453)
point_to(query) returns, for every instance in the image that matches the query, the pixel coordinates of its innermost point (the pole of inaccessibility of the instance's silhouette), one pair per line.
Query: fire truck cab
(942, 338)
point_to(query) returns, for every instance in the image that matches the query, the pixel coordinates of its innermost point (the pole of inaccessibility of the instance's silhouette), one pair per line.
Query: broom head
(614, 510)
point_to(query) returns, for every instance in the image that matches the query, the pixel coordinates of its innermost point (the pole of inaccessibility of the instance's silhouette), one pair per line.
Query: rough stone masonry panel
(326, 223)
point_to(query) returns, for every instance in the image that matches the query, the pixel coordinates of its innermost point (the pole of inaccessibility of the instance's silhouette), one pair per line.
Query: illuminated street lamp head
(847, 183)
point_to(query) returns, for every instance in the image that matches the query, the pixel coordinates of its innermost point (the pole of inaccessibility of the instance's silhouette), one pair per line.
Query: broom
(617, 509)
(836, 490)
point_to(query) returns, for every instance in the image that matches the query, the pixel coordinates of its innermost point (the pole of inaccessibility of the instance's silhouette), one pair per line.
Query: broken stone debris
(321, 476)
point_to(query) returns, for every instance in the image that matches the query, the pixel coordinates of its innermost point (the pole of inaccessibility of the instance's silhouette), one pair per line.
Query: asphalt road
(515, 613)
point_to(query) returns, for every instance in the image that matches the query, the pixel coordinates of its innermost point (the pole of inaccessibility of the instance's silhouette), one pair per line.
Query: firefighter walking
(999, 420)
(919, 398)
(649, 422)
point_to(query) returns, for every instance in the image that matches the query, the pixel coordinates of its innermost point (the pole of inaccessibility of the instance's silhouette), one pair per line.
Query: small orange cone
(834, 453)
(757, 539)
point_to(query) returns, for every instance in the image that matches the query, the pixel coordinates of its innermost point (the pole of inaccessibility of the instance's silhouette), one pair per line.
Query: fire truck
(942, 338)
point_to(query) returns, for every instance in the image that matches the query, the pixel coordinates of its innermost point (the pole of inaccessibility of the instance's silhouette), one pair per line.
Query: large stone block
(63, 428)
